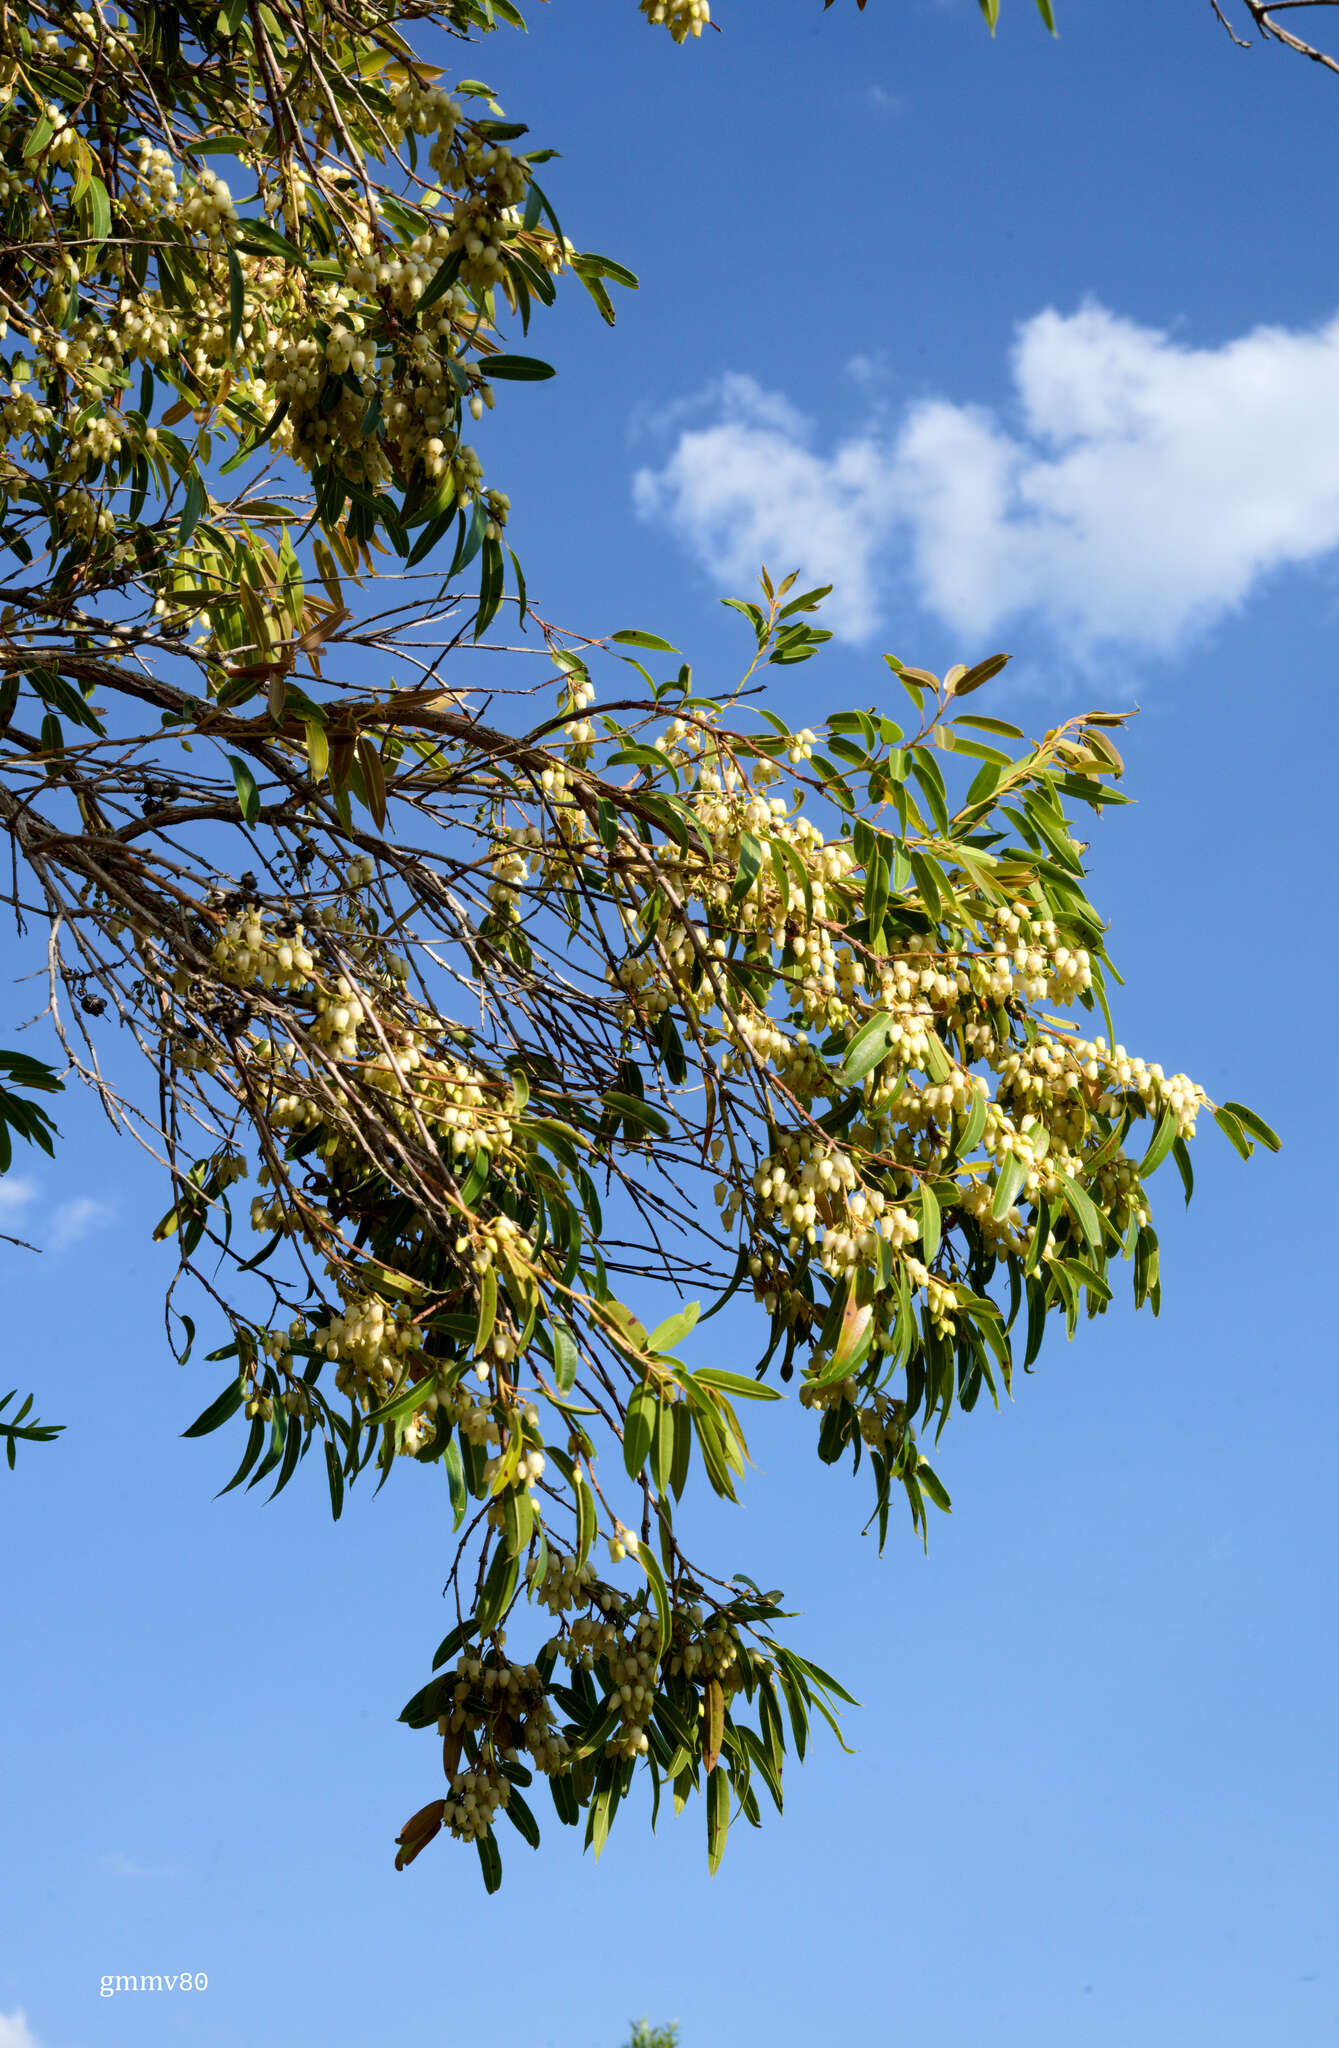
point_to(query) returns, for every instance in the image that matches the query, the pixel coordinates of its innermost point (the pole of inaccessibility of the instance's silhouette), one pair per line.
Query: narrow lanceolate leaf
(866, 1049)
(487, 1315)
(713, 1723)
(236, 298)
(659, 1593)
(193, 509)
(99, 211)
(1013, 1173)
(1256, 1125)
(218, 1412)
(564, 1357)
(1232, 1130)
(930, 1225)
(1084, 1209)
(981, 672)
(974, 1126)
(1164, 1137)
(520, 369)
(248, 796)
(631, 637)
(490, 1860)
(673, 1330)
(750, 867)
(933, 1487)
(718, 1818)
(734, 1384)
(318, 749)
(374, 782)
(639, 1428)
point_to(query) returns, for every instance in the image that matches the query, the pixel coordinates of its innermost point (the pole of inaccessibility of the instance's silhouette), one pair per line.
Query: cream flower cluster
(252, 948)
(569, 1582)
(370, 1343)
(503, 1707)
(575, 699)
(298, 331)
(683, 18)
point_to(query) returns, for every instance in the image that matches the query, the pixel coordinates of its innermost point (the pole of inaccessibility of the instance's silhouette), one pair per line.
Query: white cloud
(15, 1194)
(73, 1221)
(884, 102)
(126, 1866)
(1139, 493)
(748, 489)
(15, 2031)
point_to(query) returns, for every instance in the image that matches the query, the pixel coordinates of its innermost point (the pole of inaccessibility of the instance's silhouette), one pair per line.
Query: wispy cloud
(75, 1220)
(126, 1866)
(15, 1195)
(1136, 492)
(15, 2031)
(884, 102)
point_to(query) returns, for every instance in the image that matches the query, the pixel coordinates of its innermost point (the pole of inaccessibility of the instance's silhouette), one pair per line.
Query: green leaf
(99, 211)
(518, 1520)
(248, 796)
(1013, 1173)
(38, 139)
(441, 281)
(564, 1357)
(630, 637)
(259, 240)
(423, 1709)
(1232, 1130)
(662, 1447)
(936, 1061)
(877, 881)
(236, 298)
(455, 1477)
(674, 1329)
(449, 1644)
(218, 1412)
(974, 1126)
(1256, 1125)
(1164, 1137)
(1089, 1221)
(490, 1860)
(639, 1425)
(192, 510)
(934, 1487)
(718, 1818)
(477, 1178)
(750, 867)
(646, 1557)
(498, 1587)
(735, 1383)
(521, 1818)
(335, 1476)
(487, 1316)
(866, 1049)
(980, 672)
(929, 880)
(249, 1456)
(318, 749)
(516, 369)
(931, 1231)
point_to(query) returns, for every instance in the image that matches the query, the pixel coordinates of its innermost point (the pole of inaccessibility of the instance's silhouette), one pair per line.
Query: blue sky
(1033, 341)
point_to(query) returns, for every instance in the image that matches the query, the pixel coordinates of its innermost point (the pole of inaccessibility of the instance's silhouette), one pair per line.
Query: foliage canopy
(500, 1013)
